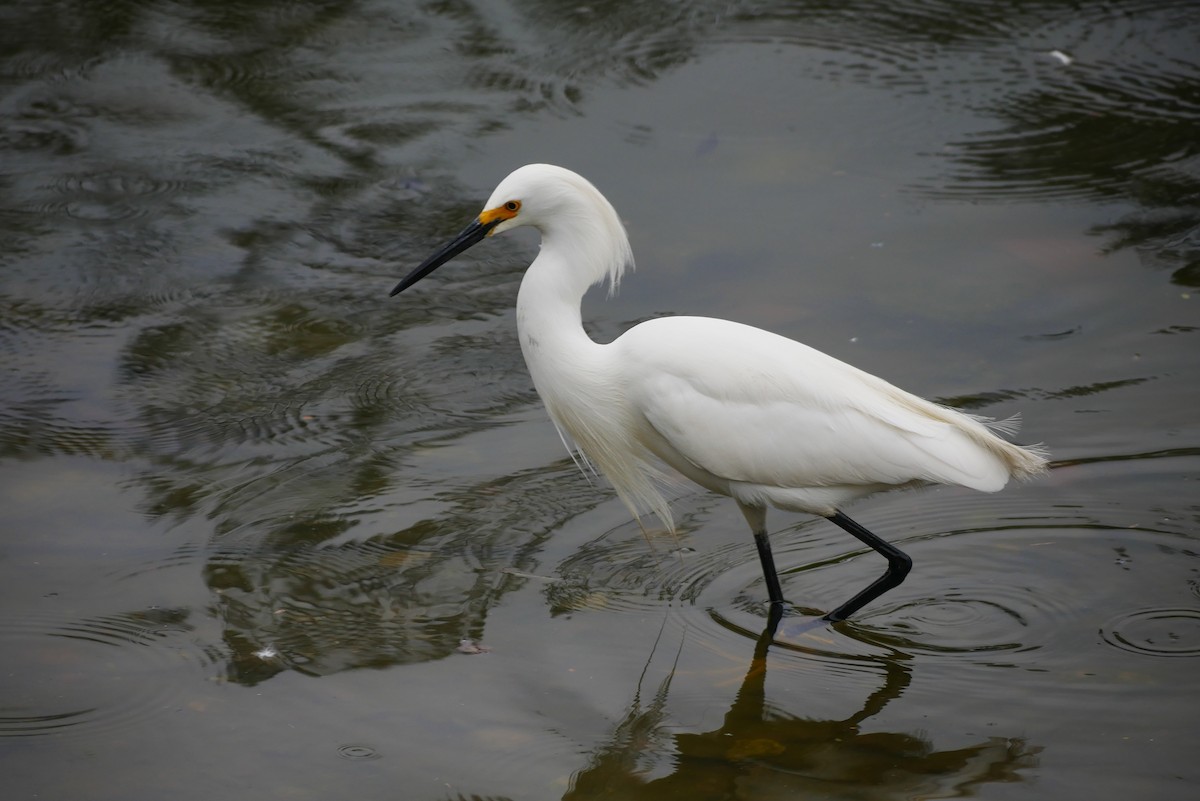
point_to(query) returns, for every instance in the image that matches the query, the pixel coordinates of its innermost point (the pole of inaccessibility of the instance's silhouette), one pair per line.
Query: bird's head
(542, 196)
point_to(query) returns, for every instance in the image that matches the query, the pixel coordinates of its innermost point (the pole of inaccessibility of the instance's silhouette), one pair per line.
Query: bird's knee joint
(900, 564)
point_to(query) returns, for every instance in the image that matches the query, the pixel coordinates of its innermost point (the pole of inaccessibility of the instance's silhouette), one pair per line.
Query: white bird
(740, 411)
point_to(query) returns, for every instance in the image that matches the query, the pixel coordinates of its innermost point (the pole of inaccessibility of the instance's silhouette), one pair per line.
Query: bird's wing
(746, 405)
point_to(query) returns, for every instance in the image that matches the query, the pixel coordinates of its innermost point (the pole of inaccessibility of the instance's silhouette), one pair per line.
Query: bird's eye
(513, 205)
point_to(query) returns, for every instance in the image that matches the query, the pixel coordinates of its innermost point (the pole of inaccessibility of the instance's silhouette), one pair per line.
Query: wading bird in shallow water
(740, 411)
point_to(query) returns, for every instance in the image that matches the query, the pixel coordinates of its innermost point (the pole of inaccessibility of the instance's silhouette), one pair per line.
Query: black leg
(898, 566)
(774, 615)
(774, 591)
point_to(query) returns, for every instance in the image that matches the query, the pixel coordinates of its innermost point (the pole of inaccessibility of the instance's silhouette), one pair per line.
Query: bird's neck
(549, 319)
(585, 247)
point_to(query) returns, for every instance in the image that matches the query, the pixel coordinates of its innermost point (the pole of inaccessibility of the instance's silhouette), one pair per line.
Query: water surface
(269, 533)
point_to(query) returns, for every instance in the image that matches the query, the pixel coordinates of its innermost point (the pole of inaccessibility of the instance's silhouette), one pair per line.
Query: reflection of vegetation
(759, 745)
(1111, 136)
(1119, 121)
(411, 596)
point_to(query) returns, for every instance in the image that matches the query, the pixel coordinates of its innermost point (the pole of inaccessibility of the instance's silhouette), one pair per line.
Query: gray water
(268, 533)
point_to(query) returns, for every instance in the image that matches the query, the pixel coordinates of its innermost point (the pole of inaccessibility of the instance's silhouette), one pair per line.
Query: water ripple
(111, 194)
(996, 579)
(1155, 632)
(96, 674)
(357, 752)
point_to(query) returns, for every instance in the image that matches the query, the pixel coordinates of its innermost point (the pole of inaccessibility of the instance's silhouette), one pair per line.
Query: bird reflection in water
(760, 751)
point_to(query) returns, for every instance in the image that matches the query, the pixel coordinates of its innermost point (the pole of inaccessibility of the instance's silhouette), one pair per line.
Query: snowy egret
(740, 411)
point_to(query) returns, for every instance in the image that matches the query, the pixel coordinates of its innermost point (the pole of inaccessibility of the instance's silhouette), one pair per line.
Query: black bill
(469, 236)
